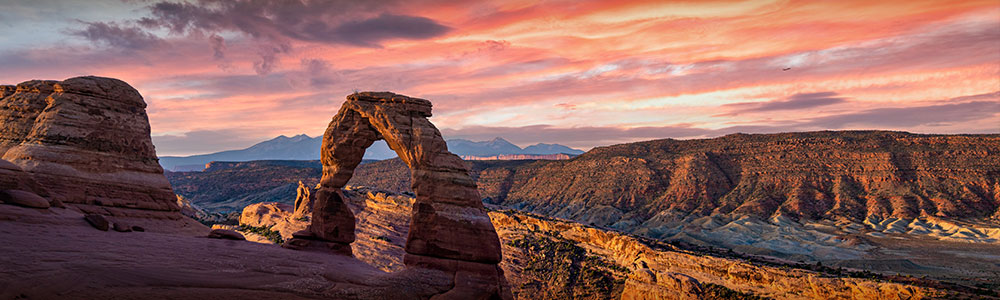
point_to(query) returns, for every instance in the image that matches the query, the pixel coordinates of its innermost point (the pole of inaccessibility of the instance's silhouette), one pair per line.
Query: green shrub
(266, 232)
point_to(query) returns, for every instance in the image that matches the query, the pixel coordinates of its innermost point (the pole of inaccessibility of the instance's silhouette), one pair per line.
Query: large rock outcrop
(449, 228)
(86, 141)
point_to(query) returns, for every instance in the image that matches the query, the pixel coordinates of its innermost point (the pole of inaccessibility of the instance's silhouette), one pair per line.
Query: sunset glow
(582, 74)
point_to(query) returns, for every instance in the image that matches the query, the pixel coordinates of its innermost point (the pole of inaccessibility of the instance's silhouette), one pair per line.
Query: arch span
(448, 221)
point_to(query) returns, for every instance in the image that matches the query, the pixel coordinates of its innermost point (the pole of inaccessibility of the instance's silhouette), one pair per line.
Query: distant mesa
(303, 147)
(83, 142)
(560, 156)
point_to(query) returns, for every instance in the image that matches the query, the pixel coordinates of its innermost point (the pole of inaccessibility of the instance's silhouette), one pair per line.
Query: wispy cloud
(794, 102)
(985, 107)
(118, 36)
(582, 73)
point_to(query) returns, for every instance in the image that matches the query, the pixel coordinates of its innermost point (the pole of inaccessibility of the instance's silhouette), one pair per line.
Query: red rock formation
(86, 140)
(647, 270)
(449, 229)
(811, 175)
(303, 202)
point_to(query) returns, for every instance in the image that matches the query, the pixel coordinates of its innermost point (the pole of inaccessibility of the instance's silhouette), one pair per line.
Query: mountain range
(303, 147)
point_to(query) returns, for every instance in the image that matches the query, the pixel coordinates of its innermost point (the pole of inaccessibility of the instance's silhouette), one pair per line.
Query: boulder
(265, 214)
(273, 215)
(119, 227)
(23, 198)
(226, 234)
(98, 221)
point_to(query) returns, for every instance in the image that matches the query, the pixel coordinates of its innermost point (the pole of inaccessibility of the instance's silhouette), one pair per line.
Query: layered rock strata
(86, 140)
(553, 259)
(828, 175)
(449, 227)
(814, 175)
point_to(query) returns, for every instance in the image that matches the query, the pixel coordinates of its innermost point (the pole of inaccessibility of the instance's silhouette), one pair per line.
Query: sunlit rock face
(553, 259)
(303, 201)
(86, 141)
(829, 175)
(449, 227)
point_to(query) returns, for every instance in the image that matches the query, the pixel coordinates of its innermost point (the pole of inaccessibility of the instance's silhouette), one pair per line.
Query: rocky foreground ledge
(55, 254)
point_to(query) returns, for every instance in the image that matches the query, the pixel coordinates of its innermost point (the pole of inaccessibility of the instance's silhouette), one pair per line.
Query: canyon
(546, 258)
(851, 199)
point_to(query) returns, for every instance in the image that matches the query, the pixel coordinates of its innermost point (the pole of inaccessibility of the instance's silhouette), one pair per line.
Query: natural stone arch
(448, 221)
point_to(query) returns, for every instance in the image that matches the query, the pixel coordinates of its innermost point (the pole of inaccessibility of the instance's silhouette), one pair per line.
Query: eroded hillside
(546, 258)
(866, 200)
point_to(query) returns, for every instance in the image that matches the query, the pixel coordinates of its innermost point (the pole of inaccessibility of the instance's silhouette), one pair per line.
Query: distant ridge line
(560, 156)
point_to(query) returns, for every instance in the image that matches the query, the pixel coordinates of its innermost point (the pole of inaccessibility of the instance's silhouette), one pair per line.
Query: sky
(220, 75)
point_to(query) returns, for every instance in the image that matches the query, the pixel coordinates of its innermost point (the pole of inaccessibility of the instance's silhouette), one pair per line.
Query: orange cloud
(611, 66)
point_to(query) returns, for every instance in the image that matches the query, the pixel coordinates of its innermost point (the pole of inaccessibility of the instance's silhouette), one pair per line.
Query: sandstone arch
(448, 222)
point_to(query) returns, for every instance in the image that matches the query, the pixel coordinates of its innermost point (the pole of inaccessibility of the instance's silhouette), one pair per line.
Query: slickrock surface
(55, 254)
(449, 228)
(86, 140)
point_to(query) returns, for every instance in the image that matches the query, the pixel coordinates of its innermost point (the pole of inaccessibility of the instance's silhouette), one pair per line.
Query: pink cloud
(269, 69)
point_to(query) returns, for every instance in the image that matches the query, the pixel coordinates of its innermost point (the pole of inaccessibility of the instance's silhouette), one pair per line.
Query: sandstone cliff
(86, 141)
(817, 175)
